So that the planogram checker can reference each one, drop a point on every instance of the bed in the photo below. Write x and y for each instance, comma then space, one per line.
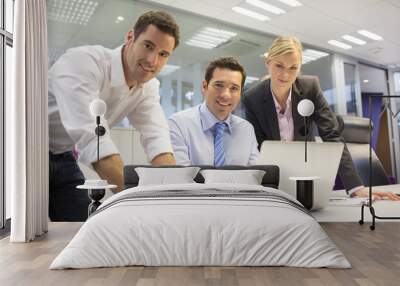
201, 224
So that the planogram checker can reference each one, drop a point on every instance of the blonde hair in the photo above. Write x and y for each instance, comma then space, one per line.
285, 45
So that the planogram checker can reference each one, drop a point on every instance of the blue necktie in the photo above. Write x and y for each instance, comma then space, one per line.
219, 153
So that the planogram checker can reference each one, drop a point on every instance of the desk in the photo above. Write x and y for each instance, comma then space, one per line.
352, 213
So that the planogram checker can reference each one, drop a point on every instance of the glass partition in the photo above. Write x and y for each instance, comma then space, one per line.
396, 76
9, 15
322, 69
350, 88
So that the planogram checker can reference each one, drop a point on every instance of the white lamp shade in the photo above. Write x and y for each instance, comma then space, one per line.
98, 107
305, 107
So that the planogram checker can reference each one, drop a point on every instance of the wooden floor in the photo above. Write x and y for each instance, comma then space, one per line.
374, 255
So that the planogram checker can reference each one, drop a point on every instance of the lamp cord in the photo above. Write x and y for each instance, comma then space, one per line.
305, 141
98, 137
98, 146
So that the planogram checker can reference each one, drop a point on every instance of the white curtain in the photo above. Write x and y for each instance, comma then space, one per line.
27, 124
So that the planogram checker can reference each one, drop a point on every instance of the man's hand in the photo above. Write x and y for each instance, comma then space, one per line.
163, 159
377, 195
111, 168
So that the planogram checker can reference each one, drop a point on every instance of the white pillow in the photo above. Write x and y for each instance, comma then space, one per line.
248, 177
165, 176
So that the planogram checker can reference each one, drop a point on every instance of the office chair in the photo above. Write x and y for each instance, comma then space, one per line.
356, 135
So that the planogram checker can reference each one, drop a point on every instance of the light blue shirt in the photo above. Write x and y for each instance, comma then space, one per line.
192, 138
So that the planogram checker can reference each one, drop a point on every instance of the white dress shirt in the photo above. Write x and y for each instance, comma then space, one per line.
85, 73
193, 139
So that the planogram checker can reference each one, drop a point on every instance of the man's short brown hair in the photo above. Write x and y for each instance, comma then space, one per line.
162, 20
229, 63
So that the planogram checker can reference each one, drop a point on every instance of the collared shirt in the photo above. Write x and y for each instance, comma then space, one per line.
85, 73
285, 119
192, 138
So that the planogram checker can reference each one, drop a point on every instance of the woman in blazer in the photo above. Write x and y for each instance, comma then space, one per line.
271, 106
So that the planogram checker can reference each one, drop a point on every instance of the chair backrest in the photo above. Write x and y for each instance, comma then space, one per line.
356, 135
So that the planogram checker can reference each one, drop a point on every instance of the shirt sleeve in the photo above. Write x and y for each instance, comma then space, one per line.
76, 80
351, 192
254, 148
149, 119
181, 149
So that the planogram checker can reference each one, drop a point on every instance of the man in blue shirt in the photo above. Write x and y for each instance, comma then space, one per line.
209, 134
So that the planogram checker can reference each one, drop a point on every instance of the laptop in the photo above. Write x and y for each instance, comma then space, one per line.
322, 161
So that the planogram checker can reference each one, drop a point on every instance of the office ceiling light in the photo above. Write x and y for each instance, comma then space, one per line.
168, 69
119, 19
291, 3
315, 53
248, 13
218, 32
199, 44
189, 95
366, 81
310, 55
73, 12
267, 7
354, 40
209, 38
339, 44
306, 59
370, 35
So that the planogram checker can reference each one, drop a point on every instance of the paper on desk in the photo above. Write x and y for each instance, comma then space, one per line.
340, 201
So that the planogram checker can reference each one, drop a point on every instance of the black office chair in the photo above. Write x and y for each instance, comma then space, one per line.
356, 135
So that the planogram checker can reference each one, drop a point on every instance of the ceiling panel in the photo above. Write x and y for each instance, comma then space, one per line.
394, 2
314, 23
306, 21
222, 4
382, 18
343, 10
383, 54
318, 21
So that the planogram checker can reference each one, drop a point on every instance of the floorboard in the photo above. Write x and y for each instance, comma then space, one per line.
374, 255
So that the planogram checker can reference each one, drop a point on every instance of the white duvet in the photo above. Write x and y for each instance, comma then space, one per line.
207, 230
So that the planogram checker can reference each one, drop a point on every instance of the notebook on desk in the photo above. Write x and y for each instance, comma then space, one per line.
322, 161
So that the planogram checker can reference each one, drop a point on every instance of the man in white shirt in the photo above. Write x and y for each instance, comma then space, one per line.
209, 134
125, 79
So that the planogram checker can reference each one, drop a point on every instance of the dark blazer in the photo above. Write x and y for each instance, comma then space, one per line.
261, 113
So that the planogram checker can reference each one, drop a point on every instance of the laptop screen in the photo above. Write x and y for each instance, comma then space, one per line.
322, 161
